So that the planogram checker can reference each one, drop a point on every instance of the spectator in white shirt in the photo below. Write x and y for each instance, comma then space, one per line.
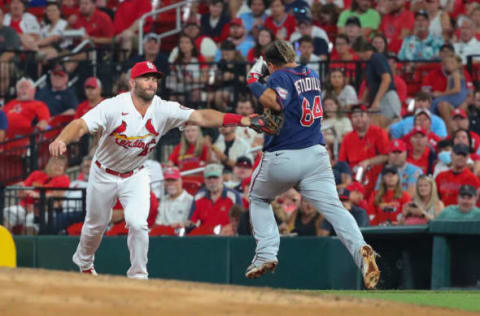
175, 206
245, 107
24, 23
467, 44
307, 57
229, 147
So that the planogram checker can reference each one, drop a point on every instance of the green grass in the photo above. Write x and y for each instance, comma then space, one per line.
465, 300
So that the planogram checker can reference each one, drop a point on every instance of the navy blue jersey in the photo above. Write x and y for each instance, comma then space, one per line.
299, 93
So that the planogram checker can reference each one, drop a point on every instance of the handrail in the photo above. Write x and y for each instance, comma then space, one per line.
177, 29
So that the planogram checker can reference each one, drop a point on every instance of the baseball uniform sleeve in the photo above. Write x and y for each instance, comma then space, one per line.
280, 85
178, 114
98, 117
3, 121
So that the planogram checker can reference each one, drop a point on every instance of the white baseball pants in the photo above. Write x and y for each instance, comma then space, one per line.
102, 193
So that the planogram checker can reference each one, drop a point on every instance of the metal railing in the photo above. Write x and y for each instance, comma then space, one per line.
36, 210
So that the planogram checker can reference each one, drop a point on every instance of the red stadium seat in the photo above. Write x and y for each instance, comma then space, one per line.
162, 230
191, 185
202, 230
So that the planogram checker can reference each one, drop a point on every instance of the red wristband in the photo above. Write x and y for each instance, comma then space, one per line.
230, 119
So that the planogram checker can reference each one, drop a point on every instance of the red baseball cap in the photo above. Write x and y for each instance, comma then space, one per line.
59, 70
419, 129
171, 173
459, 112
236, 21
397, 145
356, 186
93, 82
359, 107
144, 68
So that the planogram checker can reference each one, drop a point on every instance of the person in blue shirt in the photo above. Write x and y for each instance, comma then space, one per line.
296, 157
3, 126
253, 20
404, 126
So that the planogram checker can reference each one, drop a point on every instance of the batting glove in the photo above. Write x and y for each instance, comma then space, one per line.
258, 70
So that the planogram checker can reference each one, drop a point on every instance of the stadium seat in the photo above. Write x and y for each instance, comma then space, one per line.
191, 185
202, 230
162, 230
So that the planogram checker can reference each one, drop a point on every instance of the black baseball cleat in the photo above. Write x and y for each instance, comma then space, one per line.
254, 272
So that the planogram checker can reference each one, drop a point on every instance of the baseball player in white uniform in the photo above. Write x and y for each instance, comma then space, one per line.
132, 124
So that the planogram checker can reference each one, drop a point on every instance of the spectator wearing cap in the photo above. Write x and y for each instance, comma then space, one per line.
423, 118
420, 153
93, 93
228, 147
242, 170
97, 24
24, 23
360, 214
60, 99
175, 206
253, 21
3, 125
353, 30
239, 36
422, 44
400, 84
204, 44
151, 53
403, 127
467, 44
50, 42
386, 204
357, 195
449, 182
280, 22
465, 209
426, 204
24, 113
460, 121
408, 172
366, 146
213, 22
305, 27
212, 203
362, 9
307, 56
396, 24
229, 77
126, 22
381, 94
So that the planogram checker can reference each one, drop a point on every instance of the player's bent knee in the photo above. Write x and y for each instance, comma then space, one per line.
137, 226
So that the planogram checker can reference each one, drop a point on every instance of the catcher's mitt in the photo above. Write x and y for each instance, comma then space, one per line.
269, 122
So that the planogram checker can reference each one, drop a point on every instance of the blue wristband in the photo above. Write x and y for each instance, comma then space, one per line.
257, 89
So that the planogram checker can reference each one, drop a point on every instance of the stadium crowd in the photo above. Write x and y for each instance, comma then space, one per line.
401, 101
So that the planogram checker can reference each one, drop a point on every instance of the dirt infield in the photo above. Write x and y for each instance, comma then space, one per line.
41, 292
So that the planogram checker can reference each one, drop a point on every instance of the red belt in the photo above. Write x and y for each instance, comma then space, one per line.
116, 173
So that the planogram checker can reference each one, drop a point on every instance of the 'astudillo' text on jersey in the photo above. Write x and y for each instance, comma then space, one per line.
299, 93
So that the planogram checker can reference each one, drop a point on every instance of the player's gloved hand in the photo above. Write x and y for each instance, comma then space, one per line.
258, 70
268, 123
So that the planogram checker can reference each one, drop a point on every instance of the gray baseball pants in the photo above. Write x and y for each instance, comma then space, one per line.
309, 171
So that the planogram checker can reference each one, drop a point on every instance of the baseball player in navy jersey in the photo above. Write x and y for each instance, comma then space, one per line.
132, 125
296, 157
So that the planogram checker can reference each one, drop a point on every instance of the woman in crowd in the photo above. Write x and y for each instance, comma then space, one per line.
192, 151
379, 41
425, 206
386, 204
265, 37
189, 72
337, 86
305, 221
334, 118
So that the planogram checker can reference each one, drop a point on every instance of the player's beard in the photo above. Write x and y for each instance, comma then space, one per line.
143, 94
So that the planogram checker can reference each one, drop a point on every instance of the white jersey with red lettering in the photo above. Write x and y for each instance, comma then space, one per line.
127, 136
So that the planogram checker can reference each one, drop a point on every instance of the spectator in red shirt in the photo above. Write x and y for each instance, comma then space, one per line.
212, 203
357, 195
343, 57
396, 24
420, 154
386, 204
126, 22
449, 182
52, 176
460, 121
366, 146
192, 151
24, 113
97, 24
282, 24
93, 92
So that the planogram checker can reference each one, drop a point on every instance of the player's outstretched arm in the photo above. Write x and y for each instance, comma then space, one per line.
212, 118
73, 131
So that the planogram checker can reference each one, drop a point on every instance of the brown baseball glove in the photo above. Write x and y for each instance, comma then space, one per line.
269, 122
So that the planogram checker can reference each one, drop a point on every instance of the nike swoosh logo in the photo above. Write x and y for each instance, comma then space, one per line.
278, 154
123, 113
